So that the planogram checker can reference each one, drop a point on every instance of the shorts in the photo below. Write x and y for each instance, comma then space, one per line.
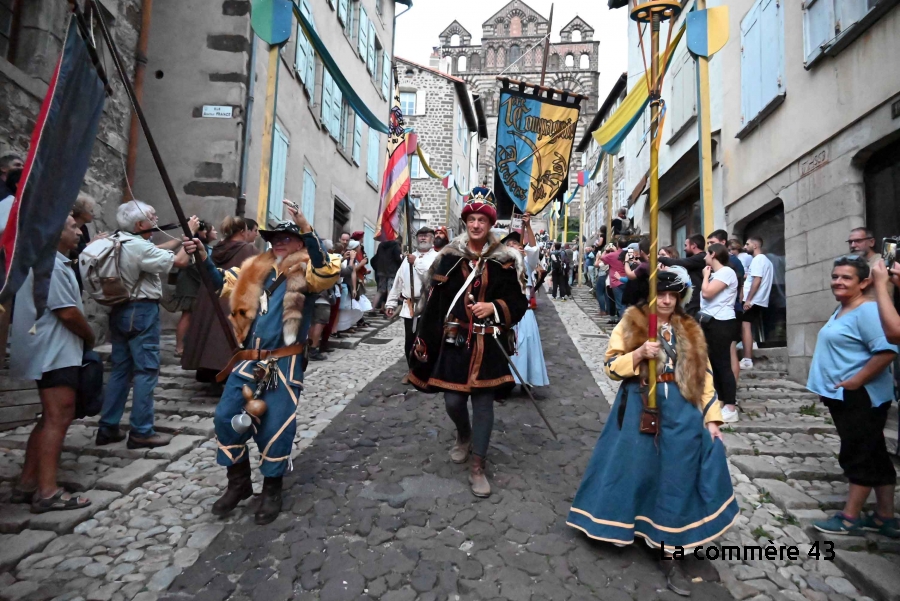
863, 456
321, 314
385, 283
64, 376
753, 315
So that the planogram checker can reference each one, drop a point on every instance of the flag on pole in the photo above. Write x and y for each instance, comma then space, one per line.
58, 158
396, 182
447, 182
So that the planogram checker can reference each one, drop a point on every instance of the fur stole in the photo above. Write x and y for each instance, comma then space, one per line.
458, 248
690, 349
247, 293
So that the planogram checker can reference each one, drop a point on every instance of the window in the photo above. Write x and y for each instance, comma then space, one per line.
762, 61
369, 240
454, 39
554, 62
459, 180
379, 8
461, 64
363, 39
515, 53
414, 166
278, 173
416, 201
343, 6
348, 127
460, 128
826, 23
308, 206
576, 35
305, 59
584, 62
357, 139
386, 75
9, 10
332, 99
372, 163
570, 60
475, 62
515, 26
408, 103
683, 105
465, 143
372, 51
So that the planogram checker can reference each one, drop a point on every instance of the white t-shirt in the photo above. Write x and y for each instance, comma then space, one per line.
745, 259
760, 267
721, 306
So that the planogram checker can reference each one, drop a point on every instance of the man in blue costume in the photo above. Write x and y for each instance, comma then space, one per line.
271, 297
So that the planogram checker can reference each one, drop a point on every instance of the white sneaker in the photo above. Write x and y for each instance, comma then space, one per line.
729, 416
746, 363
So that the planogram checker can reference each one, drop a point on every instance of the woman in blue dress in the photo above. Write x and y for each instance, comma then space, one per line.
672, 489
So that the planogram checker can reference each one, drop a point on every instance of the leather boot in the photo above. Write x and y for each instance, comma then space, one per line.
479, 482
676, 581
270, 502
239, 488
459, 452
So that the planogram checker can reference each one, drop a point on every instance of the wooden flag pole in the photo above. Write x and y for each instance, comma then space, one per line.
547, 47
704, 126
610, 173
581, 240
268, 137
654, 200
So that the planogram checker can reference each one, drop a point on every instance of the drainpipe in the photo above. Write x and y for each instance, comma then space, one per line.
248, 114
140, 67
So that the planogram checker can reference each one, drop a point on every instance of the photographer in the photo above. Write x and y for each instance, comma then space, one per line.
637, 274
883, 281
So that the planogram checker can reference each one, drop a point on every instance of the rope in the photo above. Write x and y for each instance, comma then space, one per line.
524, 54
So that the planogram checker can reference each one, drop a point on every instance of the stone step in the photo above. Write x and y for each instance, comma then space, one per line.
769, 383
766, 466
17, 518
15, 547
811, 426
875, 575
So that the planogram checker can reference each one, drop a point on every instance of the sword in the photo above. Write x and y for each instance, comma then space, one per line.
525, 385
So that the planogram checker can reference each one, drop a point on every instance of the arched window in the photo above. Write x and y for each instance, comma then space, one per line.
461, 64
515, 53
584, 62
454, 39
570, 60
515, 26
501, 57
576, 35
475, 62
554, 62
530, 28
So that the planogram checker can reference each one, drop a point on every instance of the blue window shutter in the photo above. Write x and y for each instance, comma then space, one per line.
357, 140
386, 76
372, 166
818, 27
363, 45
300, 57
327, 104
308, 206
750, 65
342, 11
278, 173
369, 239
337, 98
771, 51
371, 56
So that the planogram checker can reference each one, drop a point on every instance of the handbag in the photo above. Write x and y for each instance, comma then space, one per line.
89, 394
650, 417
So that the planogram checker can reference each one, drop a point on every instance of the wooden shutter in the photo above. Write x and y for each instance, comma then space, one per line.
369, 239
750, 65
421, 96
301, 57
386, 76
327, 102
371, 57
363, 45
849, 12
309, 78
818, 27
357, 140
342, 11
372, 165
771, 51
309, 196
337, 98
278, 173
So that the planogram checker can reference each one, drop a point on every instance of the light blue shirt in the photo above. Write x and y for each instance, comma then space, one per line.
844, 346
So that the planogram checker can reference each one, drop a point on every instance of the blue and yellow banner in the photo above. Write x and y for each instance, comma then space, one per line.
707, 30
534, 144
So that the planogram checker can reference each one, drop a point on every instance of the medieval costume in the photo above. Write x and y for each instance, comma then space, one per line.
407, 298
271, 306
672, 489
205, 346
457, 352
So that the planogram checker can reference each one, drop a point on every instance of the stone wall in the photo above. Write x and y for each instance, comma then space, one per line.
24, 84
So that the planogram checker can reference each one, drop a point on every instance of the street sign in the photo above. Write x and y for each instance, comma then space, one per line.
217, 112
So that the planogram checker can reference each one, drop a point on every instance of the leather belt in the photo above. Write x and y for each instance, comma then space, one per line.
259, 355
666, 377
483, 330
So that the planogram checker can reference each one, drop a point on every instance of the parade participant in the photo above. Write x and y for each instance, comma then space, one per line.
475, 293
362, 260
387, 259
672, 488
351, 309
529, 357
401, 294
205, 344
441, 237
187, 288
269, 315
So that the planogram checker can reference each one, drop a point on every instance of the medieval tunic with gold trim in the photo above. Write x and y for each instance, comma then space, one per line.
672, 489
472, 360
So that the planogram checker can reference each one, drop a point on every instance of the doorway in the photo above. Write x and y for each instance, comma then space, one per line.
882, 184
770, 227
341, 218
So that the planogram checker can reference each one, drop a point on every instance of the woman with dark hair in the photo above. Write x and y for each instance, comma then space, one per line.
187, 287
205, 345
850, 374
720, 325
671, 488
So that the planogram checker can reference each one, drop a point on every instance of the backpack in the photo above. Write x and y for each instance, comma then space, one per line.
101, 273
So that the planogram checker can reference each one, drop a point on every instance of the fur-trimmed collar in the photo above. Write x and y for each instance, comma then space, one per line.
494, 251
690, 348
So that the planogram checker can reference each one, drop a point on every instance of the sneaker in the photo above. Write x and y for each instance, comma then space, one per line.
105, 437
746, 363
886, 527
840, 524
729, 416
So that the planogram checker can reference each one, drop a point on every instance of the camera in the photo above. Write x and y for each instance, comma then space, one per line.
889, 251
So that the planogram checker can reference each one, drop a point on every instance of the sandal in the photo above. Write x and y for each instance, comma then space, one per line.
20, 495
58, 503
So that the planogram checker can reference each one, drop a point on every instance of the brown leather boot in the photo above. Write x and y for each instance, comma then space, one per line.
239, 488
270, 502
136, 441
459, 452
479, 482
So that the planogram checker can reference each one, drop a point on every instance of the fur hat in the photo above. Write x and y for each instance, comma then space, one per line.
481, 201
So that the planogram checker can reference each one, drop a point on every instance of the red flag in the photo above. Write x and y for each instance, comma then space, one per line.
396, 182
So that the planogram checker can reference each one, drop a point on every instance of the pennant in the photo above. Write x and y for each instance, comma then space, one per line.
582, 178
534, 144
396, 182
707, 30
58, 158
447, 181
272, 20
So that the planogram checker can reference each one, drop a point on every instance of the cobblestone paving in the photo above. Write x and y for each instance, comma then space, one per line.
783, 461
150, 518
375, 509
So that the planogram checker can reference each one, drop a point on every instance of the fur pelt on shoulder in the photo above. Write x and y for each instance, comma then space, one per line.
690, 348
458, 248
245, 298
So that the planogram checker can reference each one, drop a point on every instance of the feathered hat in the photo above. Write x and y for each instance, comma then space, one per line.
481, 200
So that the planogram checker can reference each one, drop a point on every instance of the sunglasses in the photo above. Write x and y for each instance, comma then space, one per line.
282, 239
852, 240
850, 259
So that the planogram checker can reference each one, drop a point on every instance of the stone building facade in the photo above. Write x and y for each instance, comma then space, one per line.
440, 109
512, 44
37, 29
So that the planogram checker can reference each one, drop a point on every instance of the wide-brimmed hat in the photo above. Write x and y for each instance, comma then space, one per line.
425, 230
481, 201
675, 279
513, 235
283, 227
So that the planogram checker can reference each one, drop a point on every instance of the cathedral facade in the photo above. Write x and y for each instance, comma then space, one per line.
512, 45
